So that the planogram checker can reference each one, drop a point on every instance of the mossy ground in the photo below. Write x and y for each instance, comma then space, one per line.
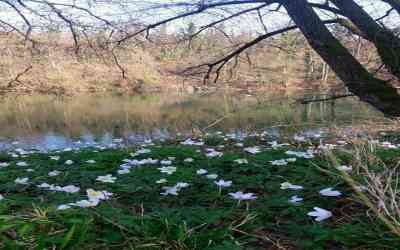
138, 217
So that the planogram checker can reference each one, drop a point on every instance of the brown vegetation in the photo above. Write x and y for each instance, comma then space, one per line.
53, 66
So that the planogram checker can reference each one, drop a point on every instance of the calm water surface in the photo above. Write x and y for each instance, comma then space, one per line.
48, 122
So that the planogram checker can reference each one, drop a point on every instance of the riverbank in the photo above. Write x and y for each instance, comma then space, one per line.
184, 194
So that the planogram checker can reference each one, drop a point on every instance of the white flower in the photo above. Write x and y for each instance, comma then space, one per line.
106, 178
54, 173
55, 157
44, 185
1, 197
288, 185
165, 162
70, 189
252, 150
239, 144
22, 164
201, 171
295, 199
167, 170
241, 161
181, 185
98, 195
212, 176
30, 170
213, 153
161, 181
69, 162
329, 192
291, 159
91, 161
124, 171
243, 196
345, 168
63, 207
299, 138
320, 214
4, 164
143, 151
22, 181
170, 190
86, 203
279, 162
222, 183
188, 160
191, 142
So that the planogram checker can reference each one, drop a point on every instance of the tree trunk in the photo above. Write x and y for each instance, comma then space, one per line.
385, 41
358, 80
395, 4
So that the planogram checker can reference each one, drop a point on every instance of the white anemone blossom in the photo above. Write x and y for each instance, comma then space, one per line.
221, 183
201, 171
69, 162
54, 173
22, 164
330, 192
281, 162
212, 176
320, 214
288, 185
22, 180
243, 196
188, 160
55, 157
252, 150
175, 189
241, 161
161, 181
167, 170
345, 168
4, 164
295, 199
106, 178
98, 195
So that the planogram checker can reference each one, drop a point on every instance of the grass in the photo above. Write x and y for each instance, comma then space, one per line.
138, 217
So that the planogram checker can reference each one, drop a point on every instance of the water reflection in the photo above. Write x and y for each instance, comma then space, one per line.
52, 123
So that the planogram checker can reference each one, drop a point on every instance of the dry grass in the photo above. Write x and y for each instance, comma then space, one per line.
375, 182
